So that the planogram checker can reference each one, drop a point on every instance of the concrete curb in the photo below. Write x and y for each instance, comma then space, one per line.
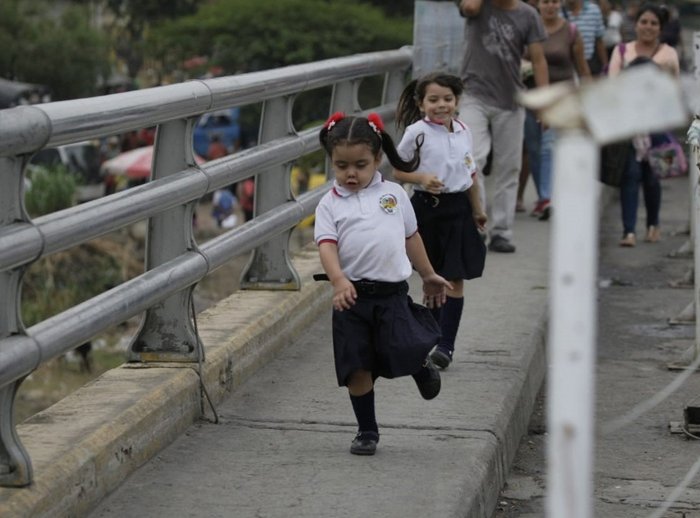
84, 446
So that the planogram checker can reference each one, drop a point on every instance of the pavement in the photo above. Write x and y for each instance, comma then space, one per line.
638, 466
281, 447
131, 442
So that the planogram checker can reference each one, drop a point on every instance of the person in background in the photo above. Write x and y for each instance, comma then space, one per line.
216, 148
446, 197
612, 16
368, 243
497, 33
629, 17
563, 50
223, 205
589, 21
647, 47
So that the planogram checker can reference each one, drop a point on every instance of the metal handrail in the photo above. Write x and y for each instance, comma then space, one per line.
174, 262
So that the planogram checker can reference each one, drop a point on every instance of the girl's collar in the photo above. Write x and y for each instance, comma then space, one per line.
457, 125
342, 192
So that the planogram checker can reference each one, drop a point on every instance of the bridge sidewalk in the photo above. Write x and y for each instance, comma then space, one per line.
281, 447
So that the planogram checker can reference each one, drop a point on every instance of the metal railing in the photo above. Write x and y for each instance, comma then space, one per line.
174, 261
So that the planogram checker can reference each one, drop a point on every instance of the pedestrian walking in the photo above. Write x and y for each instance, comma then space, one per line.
649, 23
446, 196
563, 50
589, 20
368, 239
497, 32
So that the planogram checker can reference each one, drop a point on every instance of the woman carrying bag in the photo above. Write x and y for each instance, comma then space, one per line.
646, 48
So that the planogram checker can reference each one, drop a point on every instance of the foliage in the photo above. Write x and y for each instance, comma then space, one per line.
51, 190
132, 21
61, 51
250, 35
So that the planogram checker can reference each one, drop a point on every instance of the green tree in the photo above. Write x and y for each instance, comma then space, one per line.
249, 35
61, 51
132, 21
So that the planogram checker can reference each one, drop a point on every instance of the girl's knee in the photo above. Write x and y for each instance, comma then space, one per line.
360, 382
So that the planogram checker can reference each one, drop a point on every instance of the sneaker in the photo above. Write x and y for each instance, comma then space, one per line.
628, 241
441, 357
537, 211
502, 245
364, 443
546, 211
428, 380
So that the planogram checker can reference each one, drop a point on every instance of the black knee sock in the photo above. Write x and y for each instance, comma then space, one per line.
449, 321
364, 412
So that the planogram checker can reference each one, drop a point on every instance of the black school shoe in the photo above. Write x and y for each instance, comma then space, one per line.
364, 443
428, 380
441, 357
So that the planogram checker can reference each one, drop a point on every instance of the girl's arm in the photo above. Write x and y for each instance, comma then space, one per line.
429, 182
478, 213
344, 293
434, 286
579, 57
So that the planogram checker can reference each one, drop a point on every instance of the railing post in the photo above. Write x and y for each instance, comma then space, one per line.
270, 267
15, 464
167, 333
572, 327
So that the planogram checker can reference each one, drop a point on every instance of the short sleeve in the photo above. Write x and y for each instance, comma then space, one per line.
407, 145
409, 216
324, 226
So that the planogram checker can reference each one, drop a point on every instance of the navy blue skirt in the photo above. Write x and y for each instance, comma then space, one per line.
453, 243
389, 336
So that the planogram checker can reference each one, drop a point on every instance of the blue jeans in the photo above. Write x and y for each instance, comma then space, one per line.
546, 151
533, 144
636, 173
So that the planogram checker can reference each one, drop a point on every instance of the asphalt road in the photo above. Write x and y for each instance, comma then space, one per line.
637, 467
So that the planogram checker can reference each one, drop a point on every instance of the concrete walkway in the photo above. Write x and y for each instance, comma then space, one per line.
281, 446
130, 443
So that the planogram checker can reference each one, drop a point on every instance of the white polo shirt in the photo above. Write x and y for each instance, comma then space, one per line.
449, 156
370, 228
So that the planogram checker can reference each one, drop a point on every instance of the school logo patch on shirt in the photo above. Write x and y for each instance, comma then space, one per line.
469, 162
388, 203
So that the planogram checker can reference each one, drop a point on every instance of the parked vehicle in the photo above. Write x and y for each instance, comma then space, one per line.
82, 159
222, 123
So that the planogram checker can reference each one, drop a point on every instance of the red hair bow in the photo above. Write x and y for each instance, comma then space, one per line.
376, 122
336, 117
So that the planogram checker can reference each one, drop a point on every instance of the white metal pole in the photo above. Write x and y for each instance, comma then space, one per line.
694, 175
572, 327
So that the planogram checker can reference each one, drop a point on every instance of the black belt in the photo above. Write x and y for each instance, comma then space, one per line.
379, 288
434, 199
372, 288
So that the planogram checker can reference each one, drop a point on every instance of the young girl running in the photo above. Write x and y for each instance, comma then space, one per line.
367, 237
446, 195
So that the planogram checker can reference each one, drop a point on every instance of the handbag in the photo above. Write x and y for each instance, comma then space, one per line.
613, 161
666, 158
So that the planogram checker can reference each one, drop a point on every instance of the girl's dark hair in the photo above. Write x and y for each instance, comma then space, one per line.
357, 130
660, 11
407, 111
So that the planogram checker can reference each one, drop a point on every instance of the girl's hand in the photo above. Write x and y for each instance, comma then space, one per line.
431, 183
344, 294
435, 290
480, 219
